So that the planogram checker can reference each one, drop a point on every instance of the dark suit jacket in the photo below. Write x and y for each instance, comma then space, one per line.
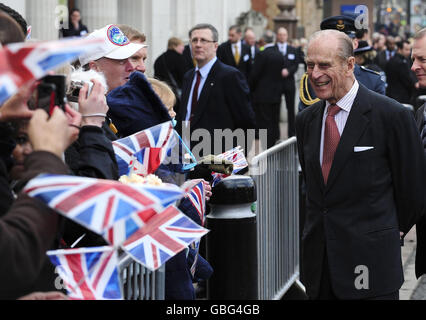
400, 79
420, 265
224, 102
370, 195
291, 62
224, 54
171, 63
265, 78
189, 63
381, 59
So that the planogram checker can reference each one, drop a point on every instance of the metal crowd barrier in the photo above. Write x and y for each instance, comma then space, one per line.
277, 209
140, 283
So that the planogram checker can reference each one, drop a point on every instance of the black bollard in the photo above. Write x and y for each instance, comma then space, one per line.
232, 240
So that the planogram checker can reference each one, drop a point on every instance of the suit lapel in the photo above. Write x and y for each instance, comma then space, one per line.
314, 141
230, 54
355, 126
205, 93
185, 93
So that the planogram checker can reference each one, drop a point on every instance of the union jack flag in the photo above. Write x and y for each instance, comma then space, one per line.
124, 228
88, 273
196, 193
98, 204
236, 155
165, 235
25, 61
143, 152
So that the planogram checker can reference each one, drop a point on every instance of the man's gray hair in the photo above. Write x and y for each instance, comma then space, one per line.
346, 47
420, 34
269, 36
205, 26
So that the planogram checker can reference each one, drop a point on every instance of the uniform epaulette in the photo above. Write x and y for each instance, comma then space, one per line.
369, 70
304, 94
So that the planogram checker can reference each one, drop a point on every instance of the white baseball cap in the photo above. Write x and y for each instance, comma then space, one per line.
116, 45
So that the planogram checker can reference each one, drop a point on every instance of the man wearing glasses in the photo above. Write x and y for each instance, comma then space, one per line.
214, 96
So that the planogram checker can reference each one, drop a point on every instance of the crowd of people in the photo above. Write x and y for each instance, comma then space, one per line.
361, 153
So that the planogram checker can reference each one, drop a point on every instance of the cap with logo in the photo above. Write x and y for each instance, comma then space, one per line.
344, 23
116, 45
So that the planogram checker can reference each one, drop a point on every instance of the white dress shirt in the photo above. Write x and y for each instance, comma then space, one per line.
341, 117
204, 71
282, 47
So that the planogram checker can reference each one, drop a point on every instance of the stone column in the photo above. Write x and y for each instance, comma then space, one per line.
287, 18
41, 16
97, 13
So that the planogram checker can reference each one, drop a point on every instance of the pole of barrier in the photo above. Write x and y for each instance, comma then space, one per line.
232, 240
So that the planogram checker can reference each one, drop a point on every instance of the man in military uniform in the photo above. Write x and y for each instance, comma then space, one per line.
369, 78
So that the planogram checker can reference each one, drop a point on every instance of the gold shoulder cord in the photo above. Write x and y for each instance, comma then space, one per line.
113, 128
304, 84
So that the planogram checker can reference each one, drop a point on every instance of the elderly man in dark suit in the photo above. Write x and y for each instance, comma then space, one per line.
365, 174
215, 96
235, 52
419, 67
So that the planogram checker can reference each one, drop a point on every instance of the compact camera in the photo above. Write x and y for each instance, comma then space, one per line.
74, 90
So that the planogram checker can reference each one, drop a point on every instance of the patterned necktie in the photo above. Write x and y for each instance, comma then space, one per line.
236, 55
331, 140
195, 94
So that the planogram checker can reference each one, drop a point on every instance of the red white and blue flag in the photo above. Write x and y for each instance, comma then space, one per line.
236, 156
196, 193
143, 152
165, 235
98, 204
89, 273
124, 228
25, 61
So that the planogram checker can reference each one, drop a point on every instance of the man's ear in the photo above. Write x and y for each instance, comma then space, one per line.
351, 64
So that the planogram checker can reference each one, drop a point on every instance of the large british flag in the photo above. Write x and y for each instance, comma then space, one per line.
143, 152
89, 273
165, 235
26, 61
98, 204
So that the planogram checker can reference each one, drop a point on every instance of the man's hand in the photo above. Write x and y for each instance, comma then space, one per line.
74, 123
93, 106
284, 73
49, 134
51, 295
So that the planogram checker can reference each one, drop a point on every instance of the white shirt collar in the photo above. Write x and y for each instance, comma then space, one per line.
347, 101
204, 70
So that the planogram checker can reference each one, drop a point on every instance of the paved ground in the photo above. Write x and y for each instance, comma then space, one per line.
412, 289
